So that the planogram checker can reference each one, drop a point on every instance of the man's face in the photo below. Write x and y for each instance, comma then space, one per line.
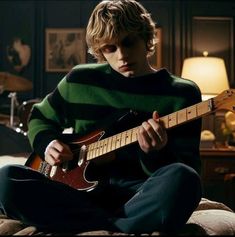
127, 55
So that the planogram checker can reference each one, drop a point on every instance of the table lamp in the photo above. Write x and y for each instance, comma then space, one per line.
209, 73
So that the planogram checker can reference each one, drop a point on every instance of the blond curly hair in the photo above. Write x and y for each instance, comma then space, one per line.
110, 17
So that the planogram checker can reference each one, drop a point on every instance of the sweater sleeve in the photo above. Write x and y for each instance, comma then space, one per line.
46, 121
183, 141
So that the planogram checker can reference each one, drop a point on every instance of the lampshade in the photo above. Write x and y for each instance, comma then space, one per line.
209, 73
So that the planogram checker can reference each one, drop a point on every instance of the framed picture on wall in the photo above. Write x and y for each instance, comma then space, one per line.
65, 48
156, 58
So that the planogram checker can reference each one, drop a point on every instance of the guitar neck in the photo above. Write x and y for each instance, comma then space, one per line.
127, 137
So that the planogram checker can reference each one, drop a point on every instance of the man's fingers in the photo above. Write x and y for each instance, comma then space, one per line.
155, 115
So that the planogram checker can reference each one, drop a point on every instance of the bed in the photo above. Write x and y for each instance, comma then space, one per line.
210, 217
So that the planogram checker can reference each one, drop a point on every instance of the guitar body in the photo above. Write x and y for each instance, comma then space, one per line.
72, 173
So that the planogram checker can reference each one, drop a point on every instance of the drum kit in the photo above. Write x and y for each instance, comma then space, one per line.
14, 84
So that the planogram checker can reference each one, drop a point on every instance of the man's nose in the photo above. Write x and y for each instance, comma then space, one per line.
122, 53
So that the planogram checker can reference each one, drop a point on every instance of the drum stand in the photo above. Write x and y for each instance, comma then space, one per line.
14, 102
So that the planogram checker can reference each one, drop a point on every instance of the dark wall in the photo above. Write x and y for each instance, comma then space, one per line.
185, 32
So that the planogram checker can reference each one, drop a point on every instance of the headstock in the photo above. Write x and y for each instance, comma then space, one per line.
225, 101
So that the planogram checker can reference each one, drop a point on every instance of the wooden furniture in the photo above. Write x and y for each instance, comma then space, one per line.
218, 174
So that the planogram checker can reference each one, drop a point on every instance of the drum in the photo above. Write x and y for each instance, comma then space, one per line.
24, 111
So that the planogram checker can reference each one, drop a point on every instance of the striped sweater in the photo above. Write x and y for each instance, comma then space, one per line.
94, 96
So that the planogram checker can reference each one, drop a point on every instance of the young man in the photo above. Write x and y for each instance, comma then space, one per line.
149, 185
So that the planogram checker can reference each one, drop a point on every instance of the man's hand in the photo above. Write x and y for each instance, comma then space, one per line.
57, 153
152, 134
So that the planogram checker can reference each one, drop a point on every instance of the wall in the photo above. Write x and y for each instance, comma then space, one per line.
183, 33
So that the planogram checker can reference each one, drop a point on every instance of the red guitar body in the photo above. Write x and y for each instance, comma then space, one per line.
73, 172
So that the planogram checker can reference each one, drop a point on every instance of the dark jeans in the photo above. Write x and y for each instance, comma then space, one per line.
163, 202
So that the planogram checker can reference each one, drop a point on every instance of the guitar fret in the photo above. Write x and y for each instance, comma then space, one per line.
92, 150
109, 144
182, 117
101, 147
134, 135
113, 144
191, 112
105, 145
98, 148
96, 151
128, 137
165, 120
204, 107
123, 138
118, 141
89, 152
172, 119
130, 134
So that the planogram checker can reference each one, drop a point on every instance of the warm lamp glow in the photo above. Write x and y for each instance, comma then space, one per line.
209, 73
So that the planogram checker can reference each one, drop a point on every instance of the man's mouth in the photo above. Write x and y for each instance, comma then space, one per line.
126, 67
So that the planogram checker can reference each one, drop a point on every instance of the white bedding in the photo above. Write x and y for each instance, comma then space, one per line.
7, 159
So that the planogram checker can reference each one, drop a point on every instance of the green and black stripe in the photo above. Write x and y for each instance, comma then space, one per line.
87, 98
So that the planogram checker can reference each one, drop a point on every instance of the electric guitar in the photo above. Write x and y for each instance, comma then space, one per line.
87, 148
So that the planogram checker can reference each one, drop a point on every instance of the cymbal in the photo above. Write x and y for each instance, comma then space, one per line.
11, 82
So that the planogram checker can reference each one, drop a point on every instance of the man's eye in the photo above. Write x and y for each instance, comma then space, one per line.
128, 43
108, 48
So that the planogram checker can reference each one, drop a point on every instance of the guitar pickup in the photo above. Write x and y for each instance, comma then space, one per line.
53, 171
